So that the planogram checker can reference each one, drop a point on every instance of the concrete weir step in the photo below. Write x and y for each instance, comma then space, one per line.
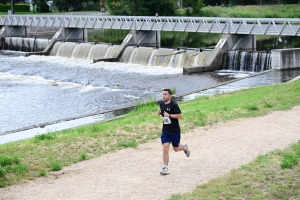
145, 38
227, 42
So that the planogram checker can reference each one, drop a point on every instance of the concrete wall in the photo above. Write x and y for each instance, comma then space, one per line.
285, 58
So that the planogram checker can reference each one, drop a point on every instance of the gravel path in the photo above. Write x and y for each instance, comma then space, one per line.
134, 173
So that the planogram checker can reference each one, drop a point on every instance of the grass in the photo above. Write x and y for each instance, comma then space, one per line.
264, 178
51, 152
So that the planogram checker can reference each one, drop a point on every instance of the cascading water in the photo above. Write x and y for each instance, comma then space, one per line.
148, 56
247, 61
24, 44
152, 57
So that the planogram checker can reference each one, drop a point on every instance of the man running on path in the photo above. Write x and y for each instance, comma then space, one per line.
170, 112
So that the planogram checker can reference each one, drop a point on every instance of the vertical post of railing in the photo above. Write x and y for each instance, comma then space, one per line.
12, 7
253, 42
228, 26
156, 15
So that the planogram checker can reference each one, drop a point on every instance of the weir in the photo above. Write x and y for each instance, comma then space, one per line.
233, 51
247, 61
227, 42
149, 56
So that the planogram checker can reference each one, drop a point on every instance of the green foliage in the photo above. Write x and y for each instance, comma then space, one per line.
6, 161
2, 172
193, 7
173, 89
47, 136
150, 102
252, 11
56, 166
44, 7
251, 107
82, 157
12, 167
20, 169
291, 159
18, 7
65, 5
42, 173
141, 7
126, 144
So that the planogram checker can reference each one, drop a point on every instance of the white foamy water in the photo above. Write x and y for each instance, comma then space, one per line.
41, 89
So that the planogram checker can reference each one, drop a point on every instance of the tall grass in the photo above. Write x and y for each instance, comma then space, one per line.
53, 151
253, 11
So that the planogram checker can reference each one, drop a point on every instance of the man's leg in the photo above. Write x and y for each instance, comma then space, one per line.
179, 148
166, 147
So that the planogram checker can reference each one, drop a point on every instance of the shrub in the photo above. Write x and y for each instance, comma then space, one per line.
42, 173
2, 172
20, 169
82, 157
251, 108
44, 137
289, 160
5, 161
18, 7
44, 7
56, 166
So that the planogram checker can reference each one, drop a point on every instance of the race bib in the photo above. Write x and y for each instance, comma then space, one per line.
166, 120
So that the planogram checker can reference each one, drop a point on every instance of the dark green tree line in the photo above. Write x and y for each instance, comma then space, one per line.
141, 7
65, 5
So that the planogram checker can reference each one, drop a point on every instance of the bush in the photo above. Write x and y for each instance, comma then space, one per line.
2, 172
5, 161
42, 173
44, 7
56, 166
82, 157
289, 160
18, 7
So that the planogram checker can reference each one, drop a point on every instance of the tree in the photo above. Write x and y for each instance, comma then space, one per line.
9, 1
193, 7
41, 6
141, 7
65, 5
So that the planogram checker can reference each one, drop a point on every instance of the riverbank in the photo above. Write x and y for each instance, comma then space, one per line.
133, 173
49, 152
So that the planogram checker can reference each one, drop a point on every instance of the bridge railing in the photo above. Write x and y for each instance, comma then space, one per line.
261, 26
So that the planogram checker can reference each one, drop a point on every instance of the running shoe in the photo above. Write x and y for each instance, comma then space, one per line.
186, 150
164, 171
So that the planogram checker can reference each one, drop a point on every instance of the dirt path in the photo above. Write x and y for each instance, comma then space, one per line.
134, 173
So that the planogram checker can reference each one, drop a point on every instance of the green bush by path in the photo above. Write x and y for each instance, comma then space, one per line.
53, 151
11, 167
18, 8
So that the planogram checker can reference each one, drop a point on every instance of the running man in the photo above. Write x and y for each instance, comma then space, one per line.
170, 112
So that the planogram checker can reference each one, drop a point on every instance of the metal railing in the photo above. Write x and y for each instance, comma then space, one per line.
257, 26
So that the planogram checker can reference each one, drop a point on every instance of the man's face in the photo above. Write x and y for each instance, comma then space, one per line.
166, 96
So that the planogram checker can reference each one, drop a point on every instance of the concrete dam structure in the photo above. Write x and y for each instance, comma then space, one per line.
142, 44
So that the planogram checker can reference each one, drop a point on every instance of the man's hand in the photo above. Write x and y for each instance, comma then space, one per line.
158, 112
166, 114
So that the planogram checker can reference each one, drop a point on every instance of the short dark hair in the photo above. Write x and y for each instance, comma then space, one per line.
169, 91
